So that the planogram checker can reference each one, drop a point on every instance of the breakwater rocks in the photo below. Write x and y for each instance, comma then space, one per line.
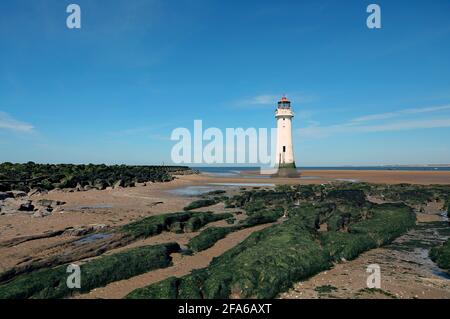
44, 177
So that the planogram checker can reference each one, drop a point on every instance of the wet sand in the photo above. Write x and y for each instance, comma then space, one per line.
325, 176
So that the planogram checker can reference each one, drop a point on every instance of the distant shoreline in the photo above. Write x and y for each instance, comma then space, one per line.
224, 169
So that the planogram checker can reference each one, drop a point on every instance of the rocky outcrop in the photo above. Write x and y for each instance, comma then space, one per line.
17, 202
119, 184
85, 229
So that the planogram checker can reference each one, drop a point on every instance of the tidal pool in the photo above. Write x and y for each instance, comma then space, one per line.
91, 238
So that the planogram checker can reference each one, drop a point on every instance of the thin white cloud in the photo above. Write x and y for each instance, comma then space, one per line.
383, 116
383, 123
263, 99
272, 99
9, 123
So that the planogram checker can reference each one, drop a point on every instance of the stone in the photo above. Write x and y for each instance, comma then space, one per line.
18, 194
26, 206
100, 185
58, 210
119, 184
37, 191
41, 213
45, 202
4, 195
85, 229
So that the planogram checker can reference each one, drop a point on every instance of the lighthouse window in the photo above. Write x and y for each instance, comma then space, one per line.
284, 149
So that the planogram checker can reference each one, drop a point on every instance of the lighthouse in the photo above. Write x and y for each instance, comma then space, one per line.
285, 162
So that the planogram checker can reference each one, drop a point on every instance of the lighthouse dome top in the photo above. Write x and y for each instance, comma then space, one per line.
284, 103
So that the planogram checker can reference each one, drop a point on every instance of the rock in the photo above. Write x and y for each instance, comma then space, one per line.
100, 185
18, 194
176, 227
79, 188
84, 230
41, 213
9, 206
45, 202
109, 188
34, 191
119, 184
58, 210
4, 195
37, 191
26, 206
87, 188
130, 184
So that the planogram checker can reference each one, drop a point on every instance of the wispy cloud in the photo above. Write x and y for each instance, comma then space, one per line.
9, 123
382, 116
271, 99
391, 121
263, 99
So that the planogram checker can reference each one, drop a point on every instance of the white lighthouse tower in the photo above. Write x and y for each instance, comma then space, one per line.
285, 162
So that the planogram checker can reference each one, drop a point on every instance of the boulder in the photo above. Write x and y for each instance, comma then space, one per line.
26, 206
119, 184
18, 194
4, 195
46, 202
100, 185
42, 212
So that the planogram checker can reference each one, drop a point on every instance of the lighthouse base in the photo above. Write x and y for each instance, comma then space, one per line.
287, 170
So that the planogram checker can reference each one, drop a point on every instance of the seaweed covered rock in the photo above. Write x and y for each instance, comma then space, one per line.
201, 203
166, 289
28, 176
209, 237
262, 265
388, 221
176, 222
263, 217
441, 256
271, 260
51, 283
348, 196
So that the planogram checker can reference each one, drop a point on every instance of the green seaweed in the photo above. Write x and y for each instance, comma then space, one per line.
51, 283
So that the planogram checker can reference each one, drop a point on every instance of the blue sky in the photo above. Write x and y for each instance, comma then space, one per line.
113, 91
